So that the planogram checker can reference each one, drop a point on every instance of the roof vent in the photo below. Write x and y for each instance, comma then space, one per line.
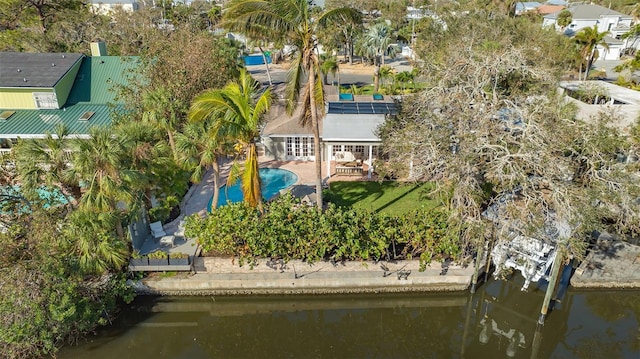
86, 116
6, 114
24, 79
64, 56
19, 70
53, 65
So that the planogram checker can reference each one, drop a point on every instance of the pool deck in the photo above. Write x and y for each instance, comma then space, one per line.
196, 200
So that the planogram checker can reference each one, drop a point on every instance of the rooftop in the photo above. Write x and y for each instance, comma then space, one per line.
97, 78
22, 69
588, 12
90, 103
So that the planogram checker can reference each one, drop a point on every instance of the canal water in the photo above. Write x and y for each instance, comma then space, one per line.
499, 321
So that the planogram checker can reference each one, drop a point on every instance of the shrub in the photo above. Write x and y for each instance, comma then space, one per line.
157, 255
288, 230
178, 255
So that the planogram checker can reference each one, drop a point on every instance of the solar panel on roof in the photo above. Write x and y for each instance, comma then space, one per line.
364, 108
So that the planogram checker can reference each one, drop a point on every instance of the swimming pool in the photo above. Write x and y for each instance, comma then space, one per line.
50, 196
273, 181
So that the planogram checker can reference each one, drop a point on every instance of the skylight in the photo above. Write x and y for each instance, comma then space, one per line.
86, 116
6, 114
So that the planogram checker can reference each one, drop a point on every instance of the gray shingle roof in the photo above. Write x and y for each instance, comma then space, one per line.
38, 69
588, 12
352, 127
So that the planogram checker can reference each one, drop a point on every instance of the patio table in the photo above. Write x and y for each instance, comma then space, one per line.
168, 240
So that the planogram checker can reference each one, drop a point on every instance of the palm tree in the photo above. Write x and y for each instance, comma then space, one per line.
236, 112
634, 34
564, 19
329, 65
386, 72
47, 161
160, 110
377, 43
200, 148
403, 78
589, 39
90, 235
98, 164
298, 24
148, 154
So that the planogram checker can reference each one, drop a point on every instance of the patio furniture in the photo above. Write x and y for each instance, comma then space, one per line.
156, 230
349, 169
168, 240
180, 231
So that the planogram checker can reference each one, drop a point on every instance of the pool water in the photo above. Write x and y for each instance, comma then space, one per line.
273, 181
50, 196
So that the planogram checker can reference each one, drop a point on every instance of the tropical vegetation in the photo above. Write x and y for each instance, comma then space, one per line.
297, 23
486, 123
288, 230
236, 112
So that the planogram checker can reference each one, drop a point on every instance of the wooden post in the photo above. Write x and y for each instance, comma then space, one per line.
474, 280
466, 326
537, 340
555, 269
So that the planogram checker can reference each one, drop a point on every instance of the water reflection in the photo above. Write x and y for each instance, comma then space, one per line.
499, 321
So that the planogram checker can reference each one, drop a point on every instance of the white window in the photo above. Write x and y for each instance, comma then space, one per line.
300, 147
45, 100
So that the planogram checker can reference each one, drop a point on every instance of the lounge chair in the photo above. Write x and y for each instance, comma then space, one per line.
156, 230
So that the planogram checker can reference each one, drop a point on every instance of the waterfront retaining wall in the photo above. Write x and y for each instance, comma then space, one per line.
224, 276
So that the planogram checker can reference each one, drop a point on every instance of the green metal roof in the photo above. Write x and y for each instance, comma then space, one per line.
92, 91
98, 77
36, 123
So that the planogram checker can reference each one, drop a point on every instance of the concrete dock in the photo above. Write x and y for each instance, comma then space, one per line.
224, 276
612, 263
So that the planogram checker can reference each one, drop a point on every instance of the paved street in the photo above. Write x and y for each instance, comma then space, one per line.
359, 77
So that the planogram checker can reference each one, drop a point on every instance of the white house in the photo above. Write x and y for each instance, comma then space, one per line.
587, 15
106, 6
348, 133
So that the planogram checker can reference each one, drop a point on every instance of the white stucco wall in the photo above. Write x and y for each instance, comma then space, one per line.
105, 9
604, 23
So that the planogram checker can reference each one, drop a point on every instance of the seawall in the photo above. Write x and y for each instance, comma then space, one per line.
224, 276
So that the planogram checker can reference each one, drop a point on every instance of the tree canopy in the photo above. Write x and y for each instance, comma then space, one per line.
490, 124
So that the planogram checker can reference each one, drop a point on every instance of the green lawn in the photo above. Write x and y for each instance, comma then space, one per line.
386, 197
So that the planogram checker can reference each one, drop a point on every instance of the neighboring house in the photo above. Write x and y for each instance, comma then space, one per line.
548, 8
522, 6
104, 7
614, 50
624, 101
348, 131
38, 91
587, 15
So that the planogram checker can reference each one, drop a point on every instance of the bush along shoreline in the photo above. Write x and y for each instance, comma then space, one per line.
289, 230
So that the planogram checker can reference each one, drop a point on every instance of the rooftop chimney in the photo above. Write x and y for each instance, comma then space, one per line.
98, 48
